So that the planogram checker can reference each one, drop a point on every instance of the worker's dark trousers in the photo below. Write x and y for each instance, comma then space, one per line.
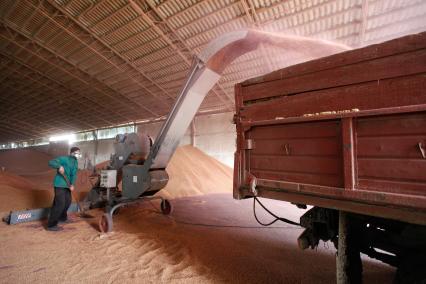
61, 203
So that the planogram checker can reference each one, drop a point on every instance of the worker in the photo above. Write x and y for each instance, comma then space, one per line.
63, 184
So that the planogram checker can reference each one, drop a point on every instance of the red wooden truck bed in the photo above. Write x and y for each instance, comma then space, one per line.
346, 132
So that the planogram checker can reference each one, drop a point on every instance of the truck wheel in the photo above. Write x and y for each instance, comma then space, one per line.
166, 207
105, 223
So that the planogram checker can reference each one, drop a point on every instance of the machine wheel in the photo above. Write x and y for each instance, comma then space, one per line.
108, 209
116, 211
105, 223
166, 207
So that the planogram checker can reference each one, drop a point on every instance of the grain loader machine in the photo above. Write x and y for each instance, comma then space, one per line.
141, 164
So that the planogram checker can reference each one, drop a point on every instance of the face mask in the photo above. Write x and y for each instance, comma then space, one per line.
76, 154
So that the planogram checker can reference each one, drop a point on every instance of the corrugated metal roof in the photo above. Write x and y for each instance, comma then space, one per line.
71, 65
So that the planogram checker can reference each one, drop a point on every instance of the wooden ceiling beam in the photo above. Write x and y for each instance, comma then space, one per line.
59, 8
88, 80
142, 46
105, 19
208, 15
29, 18
364, 19
190, 8
148, 66
123, 27
25, 133
89, 9
51, 111
253, 21
175, 47
13, 135
10, 8
34, 114
108, 60
139, 34
42, 25
126, 60
59, 89
82, 112
6, 74
396, 24
86, 114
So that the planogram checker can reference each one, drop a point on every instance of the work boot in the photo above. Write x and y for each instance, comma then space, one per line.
54, 229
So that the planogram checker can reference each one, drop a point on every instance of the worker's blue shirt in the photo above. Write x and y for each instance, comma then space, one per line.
70, 165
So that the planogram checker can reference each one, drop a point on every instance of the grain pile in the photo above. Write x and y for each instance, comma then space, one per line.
194, 245
24, 161
27, 179
193, 172
23, 179
209, 238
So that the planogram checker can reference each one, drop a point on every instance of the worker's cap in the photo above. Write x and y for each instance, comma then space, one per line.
74, 149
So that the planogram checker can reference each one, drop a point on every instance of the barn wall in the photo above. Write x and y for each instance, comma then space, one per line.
214, 135
87, 148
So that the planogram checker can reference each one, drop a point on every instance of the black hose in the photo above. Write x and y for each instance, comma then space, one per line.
272, 214
226, 226
215, 225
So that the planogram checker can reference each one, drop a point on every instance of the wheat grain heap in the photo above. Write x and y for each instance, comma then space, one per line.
209, 237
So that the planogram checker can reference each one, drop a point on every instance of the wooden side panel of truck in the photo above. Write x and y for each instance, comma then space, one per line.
345, 132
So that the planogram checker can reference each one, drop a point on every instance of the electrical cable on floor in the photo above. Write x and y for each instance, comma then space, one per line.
221, 226
255, 199
228, 226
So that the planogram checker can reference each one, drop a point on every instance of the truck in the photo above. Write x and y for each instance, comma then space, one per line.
345, 134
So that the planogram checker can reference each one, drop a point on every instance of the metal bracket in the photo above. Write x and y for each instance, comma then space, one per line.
253, 184
422, 149
287, 149
249, 144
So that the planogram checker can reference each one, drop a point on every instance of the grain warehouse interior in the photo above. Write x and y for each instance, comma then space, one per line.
212, 141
